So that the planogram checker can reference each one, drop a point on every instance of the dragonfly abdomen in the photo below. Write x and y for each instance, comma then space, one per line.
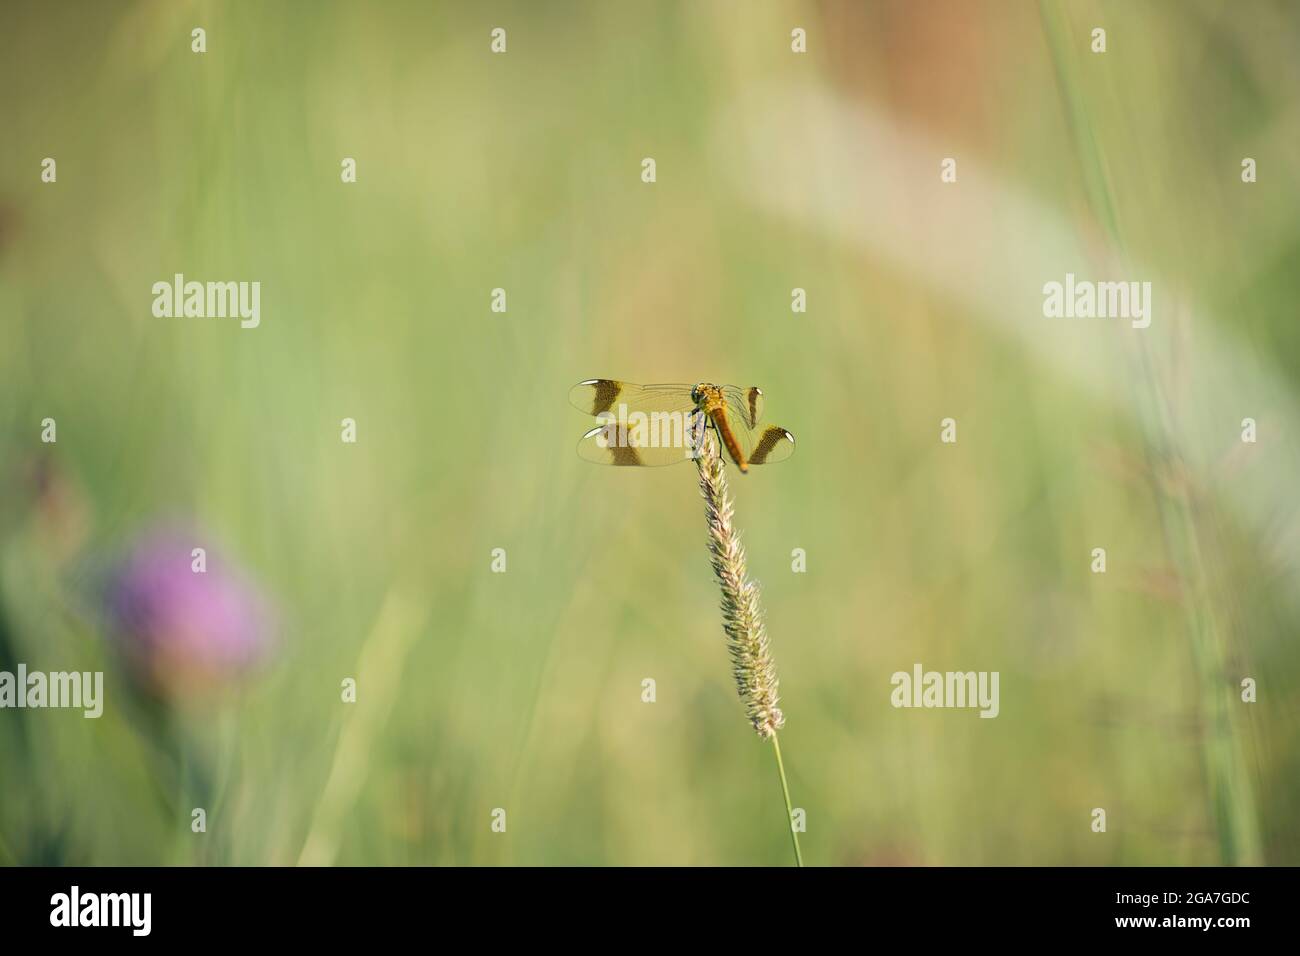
719, 416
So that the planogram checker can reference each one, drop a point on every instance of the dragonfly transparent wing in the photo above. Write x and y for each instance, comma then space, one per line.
640, 425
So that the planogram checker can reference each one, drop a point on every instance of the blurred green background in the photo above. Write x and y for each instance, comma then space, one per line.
775, 170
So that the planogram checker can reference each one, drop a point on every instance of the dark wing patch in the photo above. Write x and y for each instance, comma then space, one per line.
625, 455
595, 395
773, 445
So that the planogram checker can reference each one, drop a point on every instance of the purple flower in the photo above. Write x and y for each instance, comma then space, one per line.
185, 623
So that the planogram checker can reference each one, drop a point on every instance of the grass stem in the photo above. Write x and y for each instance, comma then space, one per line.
789, 809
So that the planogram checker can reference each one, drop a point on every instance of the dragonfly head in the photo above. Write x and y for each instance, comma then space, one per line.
704, 393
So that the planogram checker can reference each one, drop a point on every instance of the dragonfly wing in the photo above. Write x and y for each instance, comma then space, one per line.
761, 444
768, 444
640, 425
612, 444
598, 395
745, 404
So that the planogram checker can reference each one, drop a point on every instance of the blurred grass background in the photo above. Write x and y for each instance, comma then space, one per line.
523, 690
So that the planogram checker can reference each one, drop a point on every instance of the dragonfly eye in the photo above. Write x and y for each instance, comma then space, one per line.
695, 394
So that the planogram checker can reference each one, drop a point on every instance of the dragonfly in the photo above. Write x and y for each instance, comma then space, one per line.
650, 425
